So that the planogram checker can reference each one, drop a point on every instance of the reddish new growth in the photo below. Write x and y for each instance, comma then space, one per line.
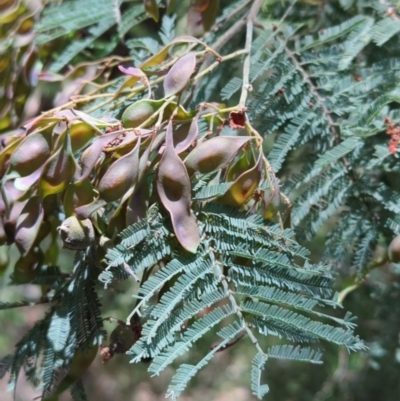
237, 119
394, 133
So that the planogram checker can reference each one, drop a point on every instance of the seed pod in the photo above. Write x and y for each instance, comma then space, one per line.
173, 186
81, 134
244, 186
28, 224
394, 250
4, 257
201, 16
91, 155
31, 154
78, 194
76, 234
59, 169
120, 176
179, 75
185, 135
81, 361
137, 113
28, 266
7, 147
151, 8
242, 164
213, 154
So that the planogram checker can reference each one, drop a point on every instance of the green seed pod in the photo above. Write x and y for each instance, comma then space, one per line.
179, 75
76, 234
78, 194
151, 8
244, 186
59, 169
137, 113
213, 154
122, 338
173, 186
394, 250
28, 266
31, 154
120, 176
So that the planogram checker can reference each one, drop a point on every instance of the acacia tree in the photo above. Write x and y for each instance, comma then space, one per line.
189, 167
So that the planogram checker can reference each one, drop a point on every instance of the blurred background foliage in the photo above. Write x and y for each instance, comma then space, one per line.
33, 79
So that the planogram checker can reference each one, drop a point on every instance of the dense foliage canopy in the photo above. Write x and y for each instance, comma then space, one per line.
196, 151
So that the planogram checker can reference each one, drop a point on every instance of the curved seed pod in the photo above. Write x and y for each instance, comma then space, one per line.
78, 194
179, 75
28, 224
213, 154
242, 164
173, 186
91, 155
59, 169
151, 8
85, 211
81, 361
137, 205
276, 209
6, 150
138, 112
76, 234
394, 250
244, 186
120, 176
28, 266
31, 154
81, 134
185, 135
27, 182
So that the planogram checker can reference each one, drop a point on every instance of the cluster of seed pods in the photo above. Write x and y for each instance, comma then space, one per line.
86, 164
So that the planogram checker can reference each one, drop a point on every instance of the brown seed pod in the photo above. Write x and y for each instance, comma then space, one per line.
173, 186
179, 75
213, 154
28, 266
120, 176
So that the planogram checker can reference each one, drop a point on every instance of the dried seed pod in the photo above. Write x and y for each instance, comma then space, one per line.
78, 194
173, 186
213, 154
185, 135
137, 113
120, 176
394, 250
179, 75
76, 234
91, 155
31, 154
244, 186
59, 169
201, 16
28, 224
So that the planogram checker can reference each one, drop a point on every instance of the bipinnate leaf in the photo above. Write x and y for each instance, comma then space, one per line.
244, 186
179, 75
151, 8
213, 154
173, 186
59, 169
31, 153
185, 135
120, 176
28, 224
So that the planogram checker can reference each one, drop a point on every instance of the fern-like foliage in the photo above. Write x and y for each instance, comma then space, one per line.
317, 96
243, 280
